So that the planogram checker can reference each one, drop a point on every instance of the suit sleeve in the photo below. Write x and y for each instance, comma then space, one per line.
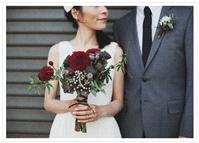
186, 128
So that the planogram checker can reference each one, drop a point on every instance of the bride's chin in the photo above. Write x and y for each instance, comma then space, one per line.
101, 28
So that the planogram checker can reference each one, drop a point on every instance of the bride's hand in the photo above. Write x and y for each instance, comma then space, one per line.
72, 106
85, 113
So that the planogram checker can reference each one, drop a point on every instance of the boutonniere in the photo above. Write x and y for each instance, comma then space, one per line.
166, 24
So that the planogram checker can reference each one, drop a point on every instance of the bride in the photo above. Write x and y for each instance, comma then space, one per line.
89, 21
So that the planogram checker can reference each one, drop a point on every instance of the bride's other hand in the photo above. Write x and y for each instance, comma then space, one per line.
85, 113
72, 106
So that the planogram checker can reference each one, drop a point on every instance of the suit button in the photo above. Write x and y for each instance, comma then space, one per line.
144, 79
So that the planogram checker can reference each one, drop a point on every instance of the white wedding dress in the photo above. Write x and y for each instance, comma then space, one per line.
64, 123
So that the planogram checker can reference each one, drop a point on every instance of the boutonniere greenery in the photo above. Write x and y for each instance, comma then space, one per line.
166, 24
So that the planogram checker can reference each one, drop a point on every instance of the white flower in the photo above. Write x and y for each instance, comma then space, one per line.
166, 24
89, 75
165, 20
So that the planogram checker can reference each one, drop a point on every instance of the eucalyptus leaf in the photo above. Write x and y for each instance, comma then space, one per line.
103, 91
122, 64
93, 92
96, 85
107, 79
170, 26
48, 87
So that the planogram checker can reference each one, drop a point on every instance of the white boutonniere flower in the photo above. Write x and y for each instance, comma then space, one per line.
166, 24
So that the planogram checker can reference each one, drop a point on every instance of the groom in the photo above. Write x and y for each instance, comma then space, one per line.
158, 100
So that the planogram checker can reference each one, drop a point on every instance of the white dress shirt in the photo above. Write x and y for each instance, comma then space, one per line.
156, 10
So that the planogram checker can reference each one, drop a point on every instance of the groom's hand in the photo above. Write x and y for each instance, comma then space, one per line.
85, 113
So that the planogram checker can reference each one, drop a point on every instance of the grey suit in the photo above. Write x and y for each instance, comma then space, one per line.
158, 97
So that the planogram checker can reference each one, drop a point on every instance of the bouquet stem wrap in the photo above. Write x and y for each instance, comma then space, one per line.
81, 99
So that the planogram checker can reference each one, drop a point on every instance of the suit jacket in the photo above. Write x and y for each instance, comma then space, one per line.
158, 98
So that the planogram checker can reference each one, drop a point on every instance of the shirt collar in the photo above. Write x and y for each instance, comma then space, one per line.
154, 9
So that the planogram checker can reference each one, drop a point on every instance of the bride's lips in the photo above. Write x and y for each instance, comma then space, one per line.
103, 19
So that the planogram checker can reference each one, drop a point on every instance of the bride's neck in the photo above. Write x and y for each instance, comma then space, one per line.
85, 38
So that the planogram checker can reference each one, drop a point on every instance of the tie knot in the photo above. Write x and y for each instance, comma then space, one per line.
147, 11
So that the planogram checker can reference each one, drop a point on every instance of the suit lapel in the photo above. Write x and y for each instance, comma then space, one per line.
133, 43
157, 42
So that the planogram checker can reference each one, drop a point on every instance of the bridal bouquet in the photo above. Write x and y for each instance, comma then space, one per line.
81, 72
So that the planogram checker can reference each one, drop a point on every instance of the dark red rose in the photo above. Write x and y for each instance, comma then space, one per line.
50, 63
92, 51
46, 73
79, 60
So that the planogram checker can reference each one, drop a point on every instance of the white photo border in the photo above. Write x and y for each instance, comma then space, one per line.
6, 3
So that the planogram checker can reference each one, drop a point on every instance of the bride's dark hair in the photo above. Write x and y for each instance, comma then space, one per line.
102, 38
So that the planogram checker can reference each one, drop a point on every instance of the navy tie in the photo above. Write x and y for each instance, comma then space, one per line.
147, 36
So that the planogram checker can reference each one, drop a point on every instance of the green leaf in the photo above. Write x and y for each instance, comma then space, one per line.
48, 87
122, 64
107, 79
93, 92
38, 86
170, 26
103, 91
96, 85
109, 76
